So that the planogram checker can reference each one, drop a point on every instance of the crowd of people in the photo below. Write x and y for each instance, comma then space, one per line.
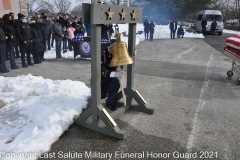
26, 36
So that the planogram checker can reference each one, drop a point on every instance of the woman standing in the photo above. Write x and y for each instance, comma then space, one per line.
146, 29
70, 31
3, 38
10, 32
152, 25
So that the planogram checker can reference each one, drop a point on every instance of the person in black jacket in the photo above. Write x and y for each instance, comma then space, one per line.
151, 29
204, 25
37, 45
46, 29
180, 32
3, 38
16, 45
173, 28
146, 29
11, 34
75, 22
79, 30
58, 35
25, 38
43, 41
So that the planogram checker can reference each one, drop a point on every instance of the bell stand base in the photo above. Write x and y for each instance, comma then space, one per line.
106, 123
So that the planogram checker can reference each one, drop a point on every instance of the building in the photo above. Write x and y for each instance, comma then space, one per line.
15, 6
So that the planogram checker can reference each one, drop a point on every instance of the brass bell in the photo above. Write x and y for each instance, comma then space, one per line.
120, 52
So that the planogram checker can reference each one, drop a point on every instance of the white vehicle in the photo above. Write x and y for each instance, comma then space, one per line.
210, 15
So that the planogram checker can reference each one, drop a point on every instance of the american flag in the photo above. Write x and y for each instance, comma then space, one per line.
78, 37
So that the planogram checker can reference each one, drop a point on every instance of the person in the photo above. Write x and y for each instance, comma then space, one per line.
46, 29
3, 39
61, 19
16, 45
65, 39
110, 83
151, 29
75, 22
37, 45
79, 30
43, 41
173, 28
213, 26
70, 32
51, 25
146, 29
110, 31
25, 38
10, 32
58, 35
204, 25
180, 32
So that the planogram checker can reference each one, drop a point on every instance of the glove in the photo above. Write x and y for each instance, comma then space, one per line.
116, 74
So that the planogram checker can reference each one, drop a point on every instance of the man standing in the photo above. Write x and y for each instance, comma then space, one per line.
58, 35
204, 25
25, 38
213, 26
46, 29
173, 28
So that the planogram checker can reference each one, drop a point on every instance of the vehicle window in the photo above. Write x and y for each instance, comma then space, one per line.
199, 18
212, 17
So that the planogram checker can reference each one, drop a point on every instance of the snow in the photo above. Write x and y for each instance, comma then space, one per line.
38, 110
231, 32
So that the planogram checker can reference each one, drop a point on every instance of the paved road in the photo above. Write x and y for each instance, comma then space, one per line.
184, 80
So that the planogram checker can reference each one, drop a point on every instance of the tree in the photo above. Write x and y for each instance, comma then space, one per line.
77, 10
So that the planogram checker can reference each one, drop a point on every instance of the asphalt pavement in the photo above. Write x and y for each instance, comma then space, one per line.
196, 105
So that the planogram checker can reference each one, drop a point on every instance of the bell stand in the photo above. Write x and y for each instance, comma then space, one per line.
96, 117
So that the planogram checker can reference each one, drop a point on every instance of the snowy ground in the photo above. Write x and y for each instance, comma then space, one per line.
39, 110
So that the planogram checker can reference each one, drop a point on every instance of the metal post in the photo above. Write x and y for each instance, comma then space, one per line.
95, 69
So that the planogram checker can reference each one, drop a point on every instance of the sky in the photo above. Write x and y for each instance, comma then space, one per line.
38, 110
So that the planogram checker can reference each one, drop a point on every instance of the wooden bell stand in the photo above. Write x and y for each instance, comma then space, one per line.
96, 117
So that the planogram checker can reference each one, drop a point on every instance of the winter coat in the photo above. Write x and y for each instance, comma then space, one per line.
70, 33
10, 31
204, 23
2, 36
37, 45
24, 32
58, 31
173, 26
65, 38
46, 27
180, 31
74, 24
146, 27
213, 25
151, 27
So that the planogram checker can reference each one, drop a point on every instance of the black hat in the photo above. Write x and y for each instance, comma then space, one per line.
20, 15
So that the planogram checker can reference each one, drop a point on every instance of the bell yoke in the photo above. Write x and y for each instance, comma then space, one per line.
104, 68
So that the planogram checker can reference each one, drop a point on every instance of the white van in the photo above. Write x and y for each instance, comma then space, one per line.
210, 15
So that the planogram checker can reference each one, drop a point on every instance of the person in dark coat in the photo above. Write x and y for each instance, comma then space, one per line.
213, 26
16, 45
58, 35
151, 29
146, 29
10, 32
79, 30
204, 25
37, 44
110, 83
3, 38
173, 28
180, 32
25, 38
43, 40
46, 29
61, 19
76, 21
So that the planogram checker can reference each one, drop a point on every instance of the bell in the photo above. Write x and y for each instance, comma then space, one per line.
120, 52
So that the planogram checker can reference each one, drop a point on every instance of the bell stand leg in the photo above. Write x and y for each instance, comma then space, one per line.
130, 93
96, 112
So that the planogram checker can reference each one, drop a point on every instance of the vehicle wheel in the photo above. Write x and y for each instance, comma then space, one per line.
220, 33
238, 81
229, 73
